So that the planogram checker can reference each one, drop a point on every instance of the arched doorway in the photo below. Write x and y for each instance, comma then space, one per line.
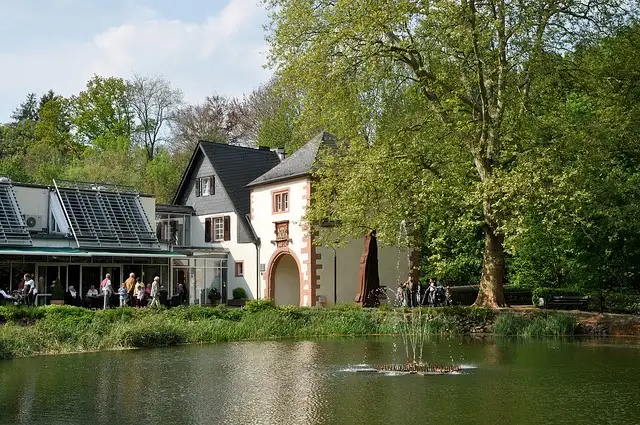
284, 279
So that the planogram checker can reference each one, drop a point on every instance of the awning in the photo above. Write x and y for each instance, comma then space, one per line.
74, 252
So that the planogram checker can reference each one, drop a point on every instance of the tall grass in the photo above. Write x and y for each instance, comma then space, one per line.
540, 324
65, 329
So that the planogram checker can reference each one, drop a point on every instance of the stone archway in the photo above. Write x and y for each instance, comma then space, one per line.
284, 278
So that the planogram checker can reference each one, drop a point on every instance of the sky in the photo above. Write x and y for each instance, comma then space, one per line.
201, 46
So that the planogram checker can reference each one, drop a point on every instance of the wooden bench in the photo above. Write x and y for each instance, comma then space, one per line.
567, 302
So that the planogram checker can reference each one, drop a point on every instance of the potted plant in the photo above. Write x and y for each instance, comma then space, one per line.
57, 292
239, 297
214, 296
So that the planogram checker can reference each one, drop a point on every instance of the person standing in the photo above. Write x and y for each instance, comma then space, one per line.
155, 292
123, 294
29, 288
137, 289
130, 285
107, 290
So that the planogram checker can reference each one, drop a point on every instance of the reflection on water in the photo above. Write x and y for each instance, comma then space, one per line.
323, 382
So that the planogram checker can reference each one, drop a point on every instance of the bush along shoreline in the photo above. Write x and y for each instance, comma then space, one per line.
66, 329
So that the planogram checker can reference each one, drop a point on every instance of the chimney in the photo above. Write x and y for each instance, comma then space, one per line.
281, 154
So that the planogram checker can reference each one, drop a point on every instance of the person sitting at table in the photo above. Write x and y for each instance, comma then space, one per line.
71, 297
92, 299
5, 297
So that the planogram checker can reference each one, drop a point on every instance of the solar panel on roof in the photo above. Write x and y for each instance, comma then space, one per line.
106, 216
12, 228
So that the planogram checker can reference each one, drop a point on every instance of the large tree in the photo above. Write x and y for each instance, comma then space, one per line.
154, 102
465, 70
103, 114
209, 120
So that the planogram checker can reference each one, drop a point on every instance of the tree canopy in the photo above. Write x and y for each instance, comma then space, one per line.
449, 111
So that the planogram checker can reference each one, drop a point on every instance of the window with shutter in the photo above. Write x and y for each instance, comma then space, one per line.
197, 187
212, 185
207, 230
227, 228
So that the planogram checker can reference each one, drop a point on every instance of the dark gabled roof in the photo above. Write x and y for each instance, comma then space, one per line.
300, 163
235, 166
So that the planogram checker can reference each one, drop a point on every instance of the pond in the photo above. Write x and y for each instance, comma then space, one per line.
313, 382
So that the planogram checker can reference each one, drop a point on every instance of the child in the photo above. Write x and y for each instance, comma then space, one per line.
141, 293
123, 294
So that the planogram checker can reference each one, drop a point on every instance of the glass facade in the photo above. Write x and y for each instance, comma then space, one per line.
81, 272
199, 275
173, 229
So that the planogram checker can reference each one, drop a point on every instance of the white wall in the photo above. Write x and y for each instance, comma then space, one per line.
264, 220
33, 201
149, 206
393, 267
245, 252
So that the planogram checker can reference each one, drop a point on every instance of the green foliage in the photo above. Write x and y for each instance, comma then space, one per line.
544, 324
239, 294
213, 295
460, 119
57, 291
547, 293
615, 302
253, 306
63, 329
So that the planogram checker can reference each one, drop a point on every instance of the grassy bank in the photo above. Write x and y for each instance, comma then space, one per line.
64, 329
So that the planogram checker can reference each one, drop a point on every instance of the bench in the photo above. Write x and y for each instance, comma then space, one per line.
567, 302
517, 297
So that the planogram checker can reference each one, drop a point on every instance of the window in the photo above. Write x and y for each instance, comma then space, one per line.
205, 186
239, 268
281, 201
217, 229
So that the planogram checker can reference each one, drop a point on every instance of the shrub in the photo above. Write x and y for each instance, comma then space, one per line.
213, 295
547, 293
21, 314
239, 294
616, 303
156, 333
254, 306
543, 324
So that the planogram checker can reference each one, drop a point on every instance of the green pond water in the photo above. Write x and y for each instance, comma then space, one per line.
315, 382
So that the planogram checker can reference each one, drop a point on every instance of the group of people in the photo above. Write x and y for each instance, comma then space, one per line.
25, 294
131, 292
412, 294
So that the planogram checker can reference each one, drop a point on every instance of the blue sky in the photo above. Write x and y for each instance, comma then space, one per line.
202, 47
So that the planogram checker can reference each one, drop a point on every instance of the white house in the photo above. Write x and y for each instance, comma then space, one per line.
209, 221
295, 271
238, 219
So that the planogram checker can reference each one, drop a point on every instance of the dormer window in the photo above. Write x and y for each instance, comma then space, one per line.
205, 186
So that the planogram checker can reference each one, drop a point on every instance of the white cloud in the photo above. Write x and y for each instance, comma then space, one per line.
223, 53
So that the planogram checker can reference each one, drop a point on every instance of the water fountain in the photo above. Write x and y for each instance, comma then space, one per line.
413, 328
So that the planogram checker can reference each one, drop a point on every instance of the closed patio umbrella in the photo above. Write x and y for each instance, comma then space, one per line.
368, 277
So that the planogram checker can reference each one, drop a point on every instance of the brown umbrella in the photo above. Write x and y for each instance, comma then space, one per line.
368, 277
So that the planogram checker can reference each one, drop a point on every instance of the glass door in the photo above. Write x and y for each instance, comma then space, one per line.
90, 276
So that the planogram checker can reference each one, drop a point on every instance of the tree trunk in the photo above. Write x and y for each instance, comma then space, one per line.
490, 293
